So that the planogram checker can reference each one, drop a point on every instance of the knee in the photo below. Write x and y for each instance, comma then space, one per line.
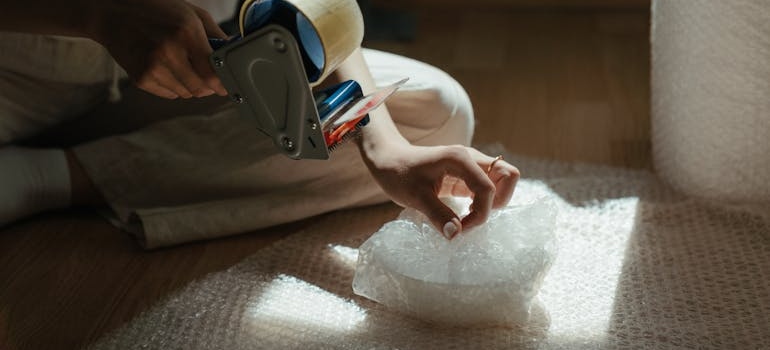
434, 109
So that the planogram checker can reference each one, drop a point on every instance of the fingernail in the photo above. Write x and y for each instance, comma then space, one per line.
205, 92
450, 229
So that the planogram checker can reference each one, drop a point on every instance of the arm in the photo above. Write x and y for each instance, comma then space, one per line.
162, 44
416, 176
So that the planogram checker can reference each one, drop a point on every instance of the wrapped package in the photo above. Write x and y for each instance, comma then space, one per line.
486, 276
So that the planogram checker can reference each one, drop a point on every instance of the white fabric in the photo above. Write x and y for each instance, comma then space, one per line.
32, 181
77, 61
639, 267
45, 80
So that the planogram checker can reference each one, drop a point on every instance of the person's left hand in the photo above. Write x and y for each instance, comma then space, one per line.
416, 176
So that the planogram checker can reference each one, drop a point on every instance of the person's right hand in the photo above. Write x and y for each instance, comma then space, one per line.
418, 176
162, 44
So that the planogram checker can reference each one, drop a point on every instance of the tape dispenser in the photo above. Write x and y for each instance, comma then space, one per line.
268, 71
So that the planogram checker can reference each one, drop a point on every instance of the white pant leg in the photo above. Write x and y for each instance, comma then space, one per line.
203, 176
432, 108
46, 79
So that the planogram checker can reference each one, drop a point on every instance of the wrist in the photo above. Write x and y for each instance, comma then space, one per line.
379, 150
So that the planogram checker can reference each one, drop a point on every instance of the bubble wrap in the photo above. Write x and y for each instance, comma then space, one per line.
486, 276
638, 267
710, 103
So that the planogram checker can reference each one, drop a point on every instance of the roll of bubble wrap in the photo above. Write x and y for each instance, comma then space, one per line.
711, 97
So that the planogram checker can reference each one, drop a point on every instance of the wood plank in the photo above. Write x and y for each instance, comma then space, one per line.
69, 278
565, 85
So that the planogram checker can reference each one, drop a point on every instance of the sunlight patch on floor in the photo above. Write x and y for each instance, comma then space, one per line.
345, 255
292, 302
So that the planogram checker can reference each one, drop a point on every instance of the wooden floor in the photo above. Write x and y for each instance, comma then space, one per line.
569, 85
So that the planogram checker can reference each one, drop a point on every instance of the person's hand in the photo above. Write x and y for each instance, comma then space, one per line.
162, 44
415, 176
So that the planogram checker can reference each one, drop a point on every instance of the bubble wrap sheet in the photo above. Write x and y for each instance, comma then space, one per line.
638, 266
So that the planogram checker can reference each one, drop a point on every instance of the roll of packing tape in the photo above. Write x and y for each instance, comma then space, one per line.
711, 97
327, 31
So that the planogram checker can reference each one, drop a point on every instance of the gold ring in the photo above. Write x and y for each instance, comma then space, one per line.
492, 165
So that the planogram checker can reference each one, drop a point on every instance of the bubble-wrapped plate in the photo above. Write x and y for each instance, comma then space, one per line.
485, 276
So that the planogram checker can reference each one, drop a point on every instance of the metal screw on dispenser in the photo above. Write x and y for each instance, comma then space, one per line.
279, 45
218, 62
238, 98
313, 125
288, 144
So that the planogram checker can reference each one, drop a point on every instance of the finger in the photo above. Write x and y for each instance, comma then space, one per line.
453, 186
159, 80
442, 217
183, 70
165, 78
505, 176
202, 66
479, 213
156, 89
462, 166
209, 24
201, 50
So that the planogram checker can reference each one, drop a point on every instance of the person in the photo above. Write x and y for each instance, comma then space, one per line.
201, 175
